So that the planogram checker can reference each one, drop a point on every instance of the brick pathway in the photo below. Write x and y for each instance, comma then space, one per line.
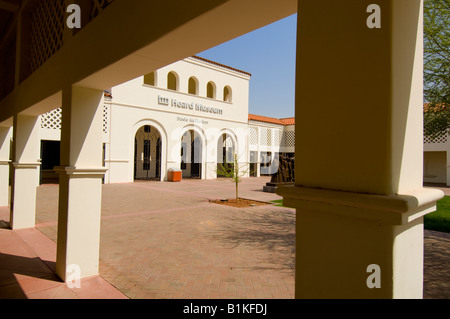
27, 269
164, 240
436, 283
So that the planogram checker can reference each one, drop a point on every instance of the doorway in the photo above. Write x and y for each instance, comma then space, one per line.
147, 154
191, 155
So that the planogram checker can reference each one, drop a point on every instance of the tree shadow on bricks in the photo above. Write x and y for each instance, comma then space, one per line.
272, 231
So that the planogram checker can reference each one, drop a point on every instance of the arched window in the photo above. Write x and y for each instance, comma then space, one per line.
150, 79
193, 86
227, 94
211, 90
172, 81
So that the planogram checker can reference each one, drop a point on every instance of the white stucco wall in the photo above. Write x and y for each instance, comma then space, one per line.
435, 167
436, 161
135, 104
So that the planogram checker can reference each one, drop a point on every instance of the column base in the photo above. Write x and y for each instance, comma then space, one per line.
341, 235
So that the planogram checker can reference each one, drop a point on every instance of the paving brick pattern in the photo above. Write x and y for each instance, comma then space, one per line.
436, 284
165, 240
27, 269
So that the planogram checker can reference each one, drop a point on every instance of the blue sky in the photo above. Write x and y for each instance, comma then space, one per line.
269, 55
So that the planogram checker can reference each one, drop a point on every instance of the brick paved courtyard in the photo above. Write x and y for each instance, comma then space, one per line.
165, 240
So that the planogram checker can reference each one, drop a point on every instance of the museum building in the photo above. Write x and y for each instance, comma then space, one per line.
190, 116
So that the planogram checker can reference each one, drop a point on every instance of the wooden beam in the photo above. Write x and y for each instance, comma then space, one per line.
8, 6
10, 28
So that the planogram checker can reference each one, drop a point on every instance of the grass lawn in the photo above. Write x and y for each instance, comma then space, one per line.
278, 202
438, 220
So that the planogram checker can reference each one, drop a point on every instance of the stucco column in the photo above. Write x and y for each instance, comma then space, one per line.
5, 146
358, 190
80, 183
25, 168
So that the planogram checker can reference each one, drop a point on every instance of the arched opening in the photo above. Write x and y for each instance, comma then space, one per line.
227, 94
147, 154
211, 90
172, 81
193, 86
191, 155
150, 79
225, 155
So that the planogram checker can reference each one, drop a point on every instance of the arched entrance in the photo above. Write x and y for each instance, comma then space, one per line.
225, 155
147, 154
191, 155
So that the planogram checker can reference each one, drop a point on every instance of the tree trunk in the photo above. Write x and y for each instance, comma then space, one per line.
236, 176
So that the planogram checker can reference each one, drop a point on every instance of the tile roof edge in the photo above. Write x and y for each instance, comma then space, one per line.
267, 119
220, 64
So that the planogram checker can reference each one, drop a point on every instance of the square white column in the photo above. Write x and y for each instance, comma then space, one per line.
80, 190
25, 168
359, 119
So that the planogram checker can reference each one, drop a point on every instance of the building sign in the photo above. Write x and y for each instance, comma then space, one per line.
188, 105
191, 120
163, 100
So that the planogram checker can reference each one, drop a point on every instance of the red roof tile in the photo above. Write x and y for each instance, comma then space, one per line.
288, 121
219, 64
260, 118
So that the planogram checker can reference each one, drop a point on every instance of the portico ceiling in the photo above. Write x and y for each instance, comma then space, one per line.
9, 12
131, 38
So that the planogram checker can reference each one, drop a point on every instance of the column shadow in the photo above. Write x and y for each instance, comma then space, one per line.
11, 266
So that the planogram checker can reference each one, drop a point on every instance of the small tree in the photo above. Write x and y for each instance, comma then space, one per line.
234, 173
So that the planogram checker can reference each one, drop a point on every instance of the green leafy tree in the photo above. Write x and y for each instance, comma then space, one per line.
436, 67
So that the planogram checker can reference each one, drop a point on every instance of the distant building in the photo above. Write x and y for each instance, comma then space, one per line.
436, 160
269, 137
